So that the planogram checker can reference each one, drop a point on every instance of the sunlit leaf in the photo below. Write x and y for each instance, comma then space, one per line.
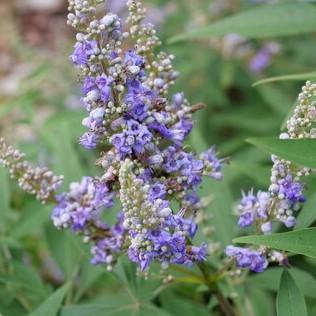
301, 241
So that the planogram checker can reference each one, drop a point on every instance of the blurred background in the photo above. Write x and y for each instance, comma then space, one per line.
41, 113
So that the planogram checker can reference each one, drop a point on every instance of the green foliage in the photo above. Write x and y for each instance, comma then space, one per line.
301, 76
289, 149
263, 21
51, 306
301, 241
290, 301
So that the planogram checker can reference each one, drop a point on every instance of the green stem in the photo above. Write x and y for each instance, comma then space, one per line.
225, 306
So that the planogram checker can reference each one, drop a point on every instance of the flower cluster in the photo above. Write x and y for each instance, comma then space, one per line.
33, 180
285, 195
142, 131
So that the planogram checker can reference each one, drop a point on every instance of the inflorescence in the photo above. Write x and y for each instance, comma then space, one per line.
34, 180
285, 195
146, 168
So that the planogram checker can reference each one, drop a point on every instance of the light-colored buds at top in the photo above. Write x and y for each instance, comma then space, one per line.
108, 19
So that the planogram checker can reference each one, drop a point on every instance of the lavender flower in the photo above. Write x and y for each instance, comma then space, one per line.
82, 204
262, 58
246, 258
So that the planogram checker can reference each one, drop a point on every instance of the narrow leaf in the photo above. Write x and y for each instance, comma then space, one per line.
289, 149
290, 301
301, 241
307, 215
4, 193
270, 279
300, 76
51, 306
260, 22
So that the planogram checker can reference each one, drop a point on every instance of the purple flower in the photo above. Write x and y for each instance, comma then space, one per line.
213, 165
292, 191
95, 119
246, 219
104, 84
134, 139
260, 61
157, 191
83, 203
178, 100
83, 51
89, 140
106, 250
247, 258
88, 85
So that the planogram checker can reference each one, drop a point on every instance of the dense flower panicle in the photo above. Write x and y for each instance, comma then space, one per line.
285, 195
34, 180
146, 166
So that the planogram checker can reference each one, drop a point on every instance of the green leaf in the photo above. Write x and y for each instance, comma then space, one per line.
290, 300
176, 305
105, 310
300, 76
66, 249
24, 278
260, 22
86, 310
270, 279
307, 215
301, 241
33, 217
220, 207
289, 149
4, 192
51, 306
66, 160
257, 172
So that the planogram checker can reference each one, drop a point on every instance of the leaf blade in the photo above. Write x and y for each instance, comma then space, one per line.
289, 149
290, 300
51, 306
260, 22
302, 241
300, 76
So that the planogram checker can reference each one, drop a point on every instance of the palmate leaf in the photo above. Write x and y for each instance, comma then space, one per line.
290, 300
301, 241
263, 21
300, 151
